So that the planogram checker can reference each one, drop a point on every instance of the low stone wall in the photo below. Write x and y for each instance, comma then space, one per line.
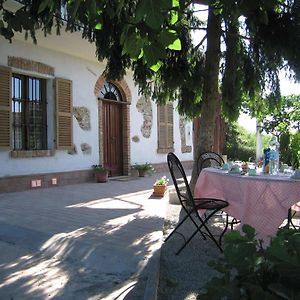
46, 180
37, 181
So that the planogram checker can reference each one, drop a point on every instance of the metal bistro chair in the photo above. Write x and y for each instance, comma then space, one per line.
212, 159
185, 197
209, 159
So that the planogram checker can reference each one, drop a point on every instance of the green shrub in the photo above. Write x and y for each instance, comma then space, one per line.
252, 272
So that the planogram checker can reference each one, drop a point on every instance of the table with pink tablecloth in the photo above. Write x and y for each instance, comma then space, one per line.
261, 201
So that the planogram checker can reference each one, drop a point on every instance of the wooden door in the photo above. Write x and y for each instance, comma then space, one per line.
112, 137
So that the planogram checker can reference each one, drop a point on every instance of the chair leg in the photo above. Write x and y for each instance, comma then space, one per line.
208, 233
189, 239
225, 229
188, 215
177, 226
290, 219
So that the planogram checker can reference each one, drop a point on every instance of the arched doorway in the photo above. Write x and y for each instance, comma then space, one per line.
112, 128
123, 94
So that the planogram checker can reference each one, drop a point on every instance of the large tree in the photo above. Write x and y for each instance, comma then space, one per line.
153, 38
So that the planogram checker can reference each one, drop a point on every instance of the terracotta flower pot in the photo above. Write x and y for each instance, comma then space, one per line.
142, 173
159, 190
101, 176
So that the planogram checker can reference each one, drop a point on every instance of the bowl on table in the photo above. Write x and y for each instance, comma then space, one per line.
235, 169
225, 166
252, 172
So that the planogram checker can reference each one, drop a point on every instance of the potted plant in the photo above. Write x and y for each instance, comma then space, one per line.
143, 168
160, 186
100, 173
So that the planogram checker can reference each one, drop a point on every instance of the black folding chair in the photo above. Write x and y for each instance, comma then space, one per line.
212, 159
191, 205
209, 159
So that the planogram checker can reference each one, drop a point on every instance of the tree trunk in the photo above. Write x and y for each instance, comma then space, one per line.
210, 90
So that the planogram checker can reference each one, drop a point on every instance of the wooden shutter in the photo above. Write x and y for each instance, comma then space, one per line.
165, 128
64, 114
5, 108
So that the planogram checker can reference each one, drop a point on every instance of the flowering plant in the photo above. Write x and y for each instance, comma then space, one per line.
162, 181
143, 167
100, 168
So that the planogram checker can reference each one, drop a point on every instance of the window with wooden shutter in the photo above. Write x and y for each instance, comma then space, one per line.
5, 108
165, 128
64, 115
29, 113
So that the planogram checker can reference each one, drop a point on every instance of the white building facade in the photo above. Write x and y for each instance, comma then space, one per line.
59, 116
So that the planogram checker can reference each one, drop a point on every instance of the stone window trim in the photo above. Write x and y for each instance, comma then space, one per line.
29, 73
5, 144
30, 66
31, 153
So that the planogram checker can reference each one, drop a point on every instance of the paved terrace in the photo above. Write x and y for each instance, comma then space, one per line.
84, 241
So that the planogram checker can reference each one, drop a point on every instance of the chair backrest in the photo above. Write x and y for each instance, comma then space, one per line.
209, 159
179, 179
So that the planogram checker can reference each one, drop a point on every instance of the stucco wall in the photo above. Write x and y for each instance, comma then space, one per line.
146, 149
84, 74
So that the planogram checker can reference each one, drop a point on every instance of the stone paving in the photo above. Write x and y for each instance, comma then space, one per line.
84, 241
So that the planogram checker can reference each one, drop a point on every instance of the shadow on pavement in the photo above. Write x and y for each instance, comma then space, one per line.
77, 242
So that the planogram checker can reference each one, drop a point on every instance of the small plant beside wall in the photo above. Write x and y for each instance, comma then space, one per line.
160, 186
100, 173
250, 271
143, 169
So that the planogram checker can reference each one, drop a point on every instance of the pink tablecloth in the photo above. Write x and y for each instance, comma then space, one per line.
261, 201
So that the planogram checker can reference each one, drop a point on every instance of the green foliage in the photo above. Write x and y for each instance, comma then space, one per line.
266, 140
284, 142
252, 64
143, 167
231, 84
162, 181
153, 38
250, 271
295, 150
284, 117
180, 76
100, 169
239, 143
284, 122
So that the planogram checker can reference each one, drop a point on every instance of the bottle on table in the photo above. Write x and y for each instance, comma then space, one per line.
274, 158
266, 166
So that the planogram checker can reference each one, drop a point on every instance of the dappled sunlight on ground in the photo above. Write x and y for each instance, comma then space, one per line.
89, 247
42, 277
127, 201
